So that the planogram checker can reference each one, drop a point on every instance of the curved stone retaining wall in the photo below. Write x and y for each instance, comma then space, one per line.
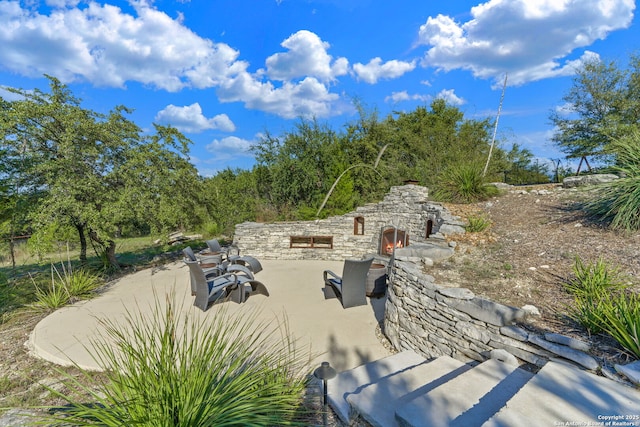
435, 320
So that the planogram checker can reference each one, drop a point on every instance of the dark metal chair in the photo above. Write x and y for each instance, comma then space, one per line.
350, 288
212, 289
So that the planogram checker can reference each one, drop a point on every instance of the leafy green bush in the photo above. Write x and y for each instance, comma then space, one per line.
592, 287
621, 320
619, 201
463, 183
195, 371
477, 224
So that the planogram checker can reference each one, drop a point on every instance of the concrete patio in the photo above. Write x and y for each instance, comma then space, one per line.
345, 338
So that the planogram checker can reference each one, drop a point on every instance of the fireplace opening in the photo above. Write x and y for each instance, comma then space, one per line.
392, 239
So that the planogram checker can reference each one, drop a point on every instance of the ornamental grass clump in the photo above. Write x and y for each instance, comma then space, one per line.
619, 201
593, 285
213, 370
464, 183
65, 286
621, 320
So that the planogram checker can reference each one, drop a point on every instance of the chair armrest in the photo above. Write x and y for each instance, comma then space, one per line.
328, 273
239, 268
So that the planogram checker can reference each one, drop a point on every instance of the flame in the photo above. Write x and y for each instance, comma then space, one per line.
389, 247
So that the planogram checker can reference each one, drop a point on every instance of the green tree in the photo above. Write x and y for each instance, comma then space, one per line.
603, 105
97, 173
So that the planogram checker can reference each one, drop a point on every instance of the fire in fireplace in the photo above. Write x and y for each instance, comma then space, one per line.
391, 239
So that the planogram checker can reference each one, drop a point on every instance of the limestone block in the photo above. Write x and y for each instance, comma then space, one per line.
568, 341
504, 356
568, 353
457, 293
515, 332
631, 371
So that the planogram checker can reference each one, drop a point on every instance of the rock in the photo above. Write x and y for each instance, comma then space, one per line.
515, 332
425, 250
568, 353
584, 180
531, 310
631, 371
504, 356
457, 293
568, 341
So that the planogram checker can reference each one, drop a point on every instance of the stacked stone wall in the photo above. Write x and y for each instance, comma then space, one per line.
404, 207
435, 320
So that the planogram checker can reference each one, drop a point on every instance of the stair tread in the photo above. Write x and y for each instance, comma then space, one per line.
560, 394
360, 377
468, 399
378, 402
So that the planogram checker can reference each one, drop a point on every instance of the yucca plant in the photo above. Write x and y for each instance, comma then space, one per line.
214, 370
593, 285
463, 183
621, 320
619, 201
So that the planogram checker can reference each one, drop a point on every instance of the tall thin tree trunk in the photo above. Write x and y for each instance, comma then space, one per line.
83, 243
495, 129
109, 248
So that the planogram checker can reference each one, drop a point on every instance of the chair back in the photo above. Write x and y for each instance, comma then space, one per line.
197, 277
214, 245
354, 282
189, 254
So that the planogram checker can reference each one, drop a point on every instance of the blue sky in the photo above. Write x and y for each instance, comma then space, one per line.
224, 72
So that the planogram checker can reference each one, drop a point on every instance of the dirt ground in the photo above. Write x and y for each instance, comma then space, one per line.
522, 259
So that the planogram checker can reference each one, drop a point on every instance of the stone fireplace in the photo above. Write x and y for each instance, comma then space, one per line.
368, 231
391, 239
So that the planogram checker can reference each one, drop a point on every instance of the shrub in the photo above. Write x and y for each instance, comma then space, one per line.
621, 320
477, 224
592, 287
225, 371
66, 286
463, 183
619, 201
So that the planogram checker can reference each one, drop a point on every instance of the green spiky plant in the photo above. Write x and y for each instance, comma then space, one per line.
619, 201
213, 370
621, 320
464, 183
592, 287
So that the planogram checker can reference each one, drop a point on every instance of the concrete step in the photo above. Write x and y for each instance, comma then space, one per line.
469, 399
357, 379
560, 394
377, 402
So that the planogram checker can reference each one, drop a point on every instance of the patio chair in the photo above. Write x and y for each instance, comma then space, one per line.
212, 289
248, 261
247, 281
350, 288
215, 247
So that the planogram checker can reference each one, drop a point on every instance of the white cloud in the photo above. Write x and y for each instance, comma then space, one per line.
304, 99
105, 46
376, 70
528, 39
229, 143
450, 97
191, 120
447, 94
230, 148
402, 96
306, 56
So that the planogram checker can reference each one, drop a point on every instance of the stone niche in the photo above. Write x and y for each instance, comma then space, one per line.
352, 235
